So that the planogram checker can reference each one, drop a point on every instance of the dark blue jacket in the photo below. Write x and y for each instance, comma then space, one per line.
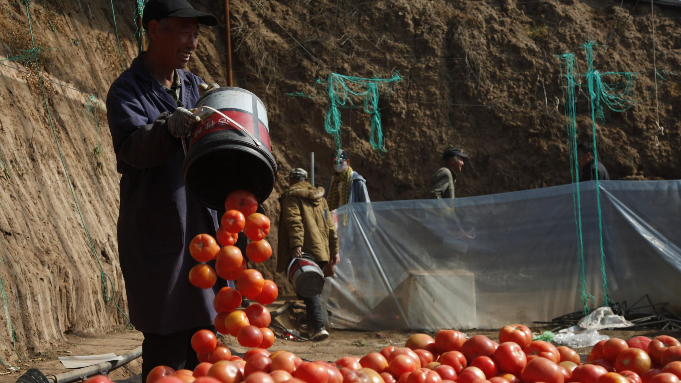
157, 218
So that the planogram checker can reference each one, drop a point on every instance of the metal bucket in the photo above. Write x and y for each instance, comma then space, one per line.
230, 149
305, 276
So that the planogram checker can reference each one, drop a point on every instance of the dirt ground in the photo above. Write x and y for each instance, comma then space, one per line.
339, 344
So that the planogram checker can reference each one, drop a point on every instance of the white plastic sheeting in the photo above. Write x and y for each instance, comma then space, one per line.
484, 262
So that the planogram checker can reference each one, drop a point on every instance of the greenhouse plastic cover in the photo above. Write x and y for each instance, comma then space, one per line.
488, 261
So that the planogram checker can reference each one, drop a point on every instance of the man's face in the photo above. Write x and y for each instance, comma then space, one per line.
178, 38
583, 158
339, 164
456, 164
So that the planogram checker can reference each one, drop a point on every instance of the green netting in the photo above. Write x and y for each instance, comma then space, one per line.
617, 92
139, 11
546, 336
118, 40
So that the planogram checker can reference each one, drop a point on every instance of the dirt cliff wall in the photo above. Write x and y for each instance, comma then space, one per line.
478, 75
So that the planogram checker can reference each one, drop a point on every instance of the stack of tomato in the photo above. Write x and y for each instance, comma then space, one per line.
450, 357
249, 327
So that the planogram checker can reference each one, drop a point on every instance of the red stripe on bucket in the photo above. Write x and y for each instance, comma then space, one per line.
217, 122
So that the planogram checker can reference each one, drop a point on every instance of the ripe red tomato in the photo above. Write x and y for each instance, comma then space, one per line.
405, 351
98, 379
671, 354
509, 358
387, 378
226, 238
226, 372
470, 375
477, 345
664, 377
516, 333
267, 338
203, 358
673, 368
170, 379
219, 322
257, 227
612, 377
401, 364
249, 336
374, 361
280, 376
445, 372
631, 376
228, 298
588, 373
311, 372
258, 315
645, 378
350, 362
641, 342
498, 379
387, 351
202, 276
233, 221
449, 340
218, 307
425, 356
234, 275
568, 355
334, 375
612, 347
285, 361
596, 352
202, 369
659, 345
608, 365
295, 380
424, 375
259, 251
256, 351
633, 359
249, 283
419, 342
206, 379
269, 293
543, 370
203, 248
220, 353
241, 200
486, 364
159, 372
454, 359
258, 362
569, 366
204, 341
228, 259
235, 321
434, 365
511, 378
544, 350
259, 377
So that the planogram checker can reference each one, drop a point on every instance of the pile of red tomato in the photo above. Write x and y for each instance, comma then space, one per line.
448, 358
250, 327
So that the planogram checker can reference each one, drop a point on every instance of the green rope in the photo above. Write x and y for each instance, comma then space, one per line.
103, 275
120, 53
569, 97
27, 55
139, 11
91, 106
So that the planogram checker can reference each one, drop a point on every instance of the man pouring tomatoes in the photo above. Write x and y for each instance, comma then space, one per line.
149, 111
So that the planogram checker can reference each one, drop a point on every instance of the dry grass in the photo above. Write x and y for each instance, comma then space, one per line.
537, 31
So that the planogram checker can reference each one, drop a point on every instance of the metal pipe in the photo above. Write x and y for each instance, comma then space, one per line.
228, 37
281, 309
312, 169
84, 372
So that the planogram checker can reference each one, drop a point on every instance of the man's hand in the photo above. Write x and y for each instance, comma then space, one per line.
298, 251
205, 88
335, 259
181, 122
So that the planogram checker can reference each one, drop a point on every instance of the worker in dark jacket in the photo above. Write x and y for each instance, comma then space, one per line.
149, 114
587, 164
305, 226
442, 183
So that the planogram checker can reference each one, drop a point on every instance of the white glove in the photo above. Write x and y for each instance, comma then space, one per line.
205, 88
181, 122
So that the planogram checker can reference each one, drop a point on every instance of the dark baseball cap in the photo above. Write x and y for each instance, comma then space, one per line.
160, 9
342, 155
451, 152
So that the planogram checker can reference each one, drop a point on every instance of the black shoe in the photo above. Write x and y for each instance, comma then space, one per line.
245, 302
320, 334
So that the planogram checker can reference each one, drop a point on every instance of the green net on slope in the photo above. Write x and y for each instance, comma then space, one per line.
351, 92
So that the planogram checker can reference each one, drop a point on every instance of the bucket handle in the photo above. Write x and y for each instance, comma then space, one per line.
235, 123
